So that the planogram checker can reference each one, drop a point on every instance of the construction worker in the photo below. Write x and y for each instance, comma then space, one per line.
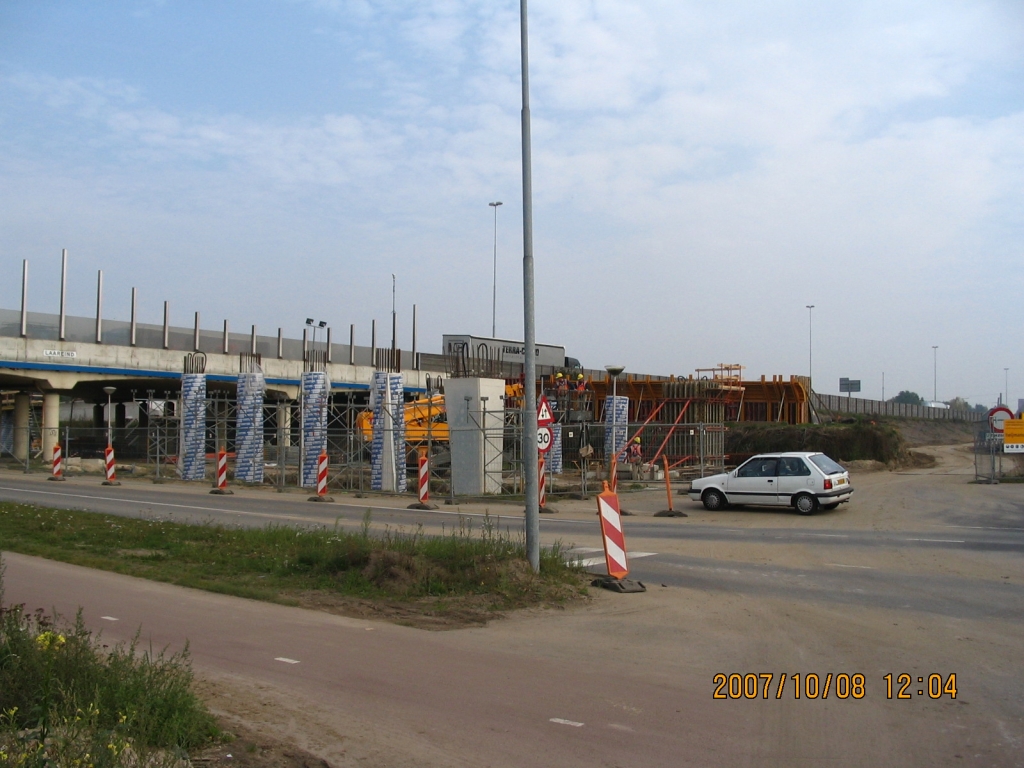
635, 457
561, 390
581, 384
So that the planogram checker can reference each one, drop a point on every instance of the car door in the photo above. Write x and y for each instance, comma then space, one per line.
794, 476
754, 482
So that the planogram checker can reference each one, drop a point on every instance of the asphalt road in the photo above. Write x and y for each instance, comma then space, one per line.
935, 586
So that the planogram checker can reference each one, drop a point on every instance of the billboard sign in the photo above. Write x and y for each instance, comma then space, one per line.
849, 385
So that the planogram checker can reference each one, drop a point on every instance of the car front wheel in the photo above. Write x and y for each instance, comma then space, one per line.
805, 504
713, 500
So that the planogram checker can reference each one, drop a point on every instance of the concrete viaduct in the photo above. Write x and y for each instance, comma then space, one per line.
76, 357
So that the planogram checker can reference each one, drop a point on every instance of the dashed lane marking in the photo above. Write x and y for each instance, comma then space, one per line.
843, 565
286, 660
561, 721
109, 618
940, 541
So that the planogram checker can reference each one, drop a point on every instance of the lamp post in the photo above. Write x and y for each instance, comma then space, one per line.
810, 342
494, 287
935, 373
1006, 387
109, 391
530, 452
315, 325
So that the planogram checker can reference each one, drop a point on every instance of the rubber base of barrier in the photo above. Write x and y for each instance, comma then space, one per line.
424, 507
618, 585
57, 479
321, 498
222, 492
547, 509
670, 513
111, 482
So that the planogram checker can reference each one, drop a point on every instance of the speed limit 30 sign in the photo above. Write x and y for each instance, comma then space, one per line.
544, 439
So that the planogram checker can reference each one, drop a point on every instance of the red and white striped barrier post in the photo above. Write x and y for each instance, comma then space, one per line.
423, 484
58, 464
614, 541
542, 484
321, 480
111, 466
221, 488
423, 480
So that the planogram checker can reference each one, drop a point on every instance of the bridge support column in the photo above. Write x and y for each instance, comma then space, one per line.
21, 422
51, 424
284, 415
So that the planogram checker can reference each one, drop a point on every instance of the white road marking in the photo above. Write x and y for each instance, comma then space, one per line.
560, 721
286, 660
619, 727
827, 535
109, 618
984, 527
941, 541
598, 560
841, 565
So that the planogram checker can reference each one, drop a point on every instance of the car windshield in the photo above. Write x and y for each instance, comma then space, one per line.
826, 465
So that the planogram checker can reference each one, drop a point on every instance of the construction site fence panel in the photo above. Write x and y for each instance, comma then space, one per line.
827, 405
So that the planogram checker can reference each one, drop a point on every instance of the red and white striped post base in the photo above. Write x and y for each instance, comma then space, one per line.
58, 464
542, 489
614, 540
221, 488
321, 480
111, 466
423, 485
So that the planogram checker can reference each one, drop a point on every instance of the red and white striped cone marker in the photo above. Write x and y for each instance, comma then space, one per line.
111, 466
221, 488
542, 484
321, 480
58, 464
423, 485
614, 541
423, 480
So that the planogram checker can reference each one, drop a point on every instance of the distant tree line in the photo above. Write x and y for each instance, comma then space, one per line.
907, 397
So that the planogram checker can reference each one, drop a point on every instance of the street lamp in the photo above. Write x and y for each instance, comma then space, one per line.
614, 371
1006, 388
810, 345
315, 325
494, 288
109, 391
935, 373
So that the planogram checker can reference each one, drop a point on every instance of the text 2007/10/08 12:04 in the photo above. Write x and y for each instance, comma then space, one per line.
815, 687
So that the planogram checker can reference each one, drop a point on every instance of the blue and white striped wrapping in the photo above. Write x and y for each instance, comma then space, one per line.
249, 428
6, 433
192, 450
616, 416
315, 391
554, 458
387, 450
397, 392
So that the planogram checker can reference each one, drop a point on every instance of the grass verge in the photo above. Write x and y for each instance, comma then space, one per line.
65, 699
464, 576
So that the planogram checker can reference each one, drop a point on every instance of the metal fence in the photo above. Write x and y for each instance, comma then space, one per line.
829, 405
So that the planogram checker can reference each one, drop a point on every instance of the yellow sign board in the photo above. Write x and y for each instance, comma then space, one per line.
1013, 436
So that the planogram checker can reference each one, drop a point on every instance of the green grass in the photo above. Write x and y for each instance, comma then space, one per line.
277, 563
64, 697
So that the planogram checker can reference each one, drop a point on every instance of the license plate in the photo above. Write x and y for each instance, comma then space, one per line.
841, 481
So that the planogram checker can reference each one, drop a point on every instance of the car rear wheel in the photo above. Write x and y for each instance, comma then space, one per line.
713, 500
805, 504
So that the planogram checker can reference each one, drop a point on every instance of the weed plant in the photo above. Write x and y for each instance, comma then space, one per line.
68, 700
274, 562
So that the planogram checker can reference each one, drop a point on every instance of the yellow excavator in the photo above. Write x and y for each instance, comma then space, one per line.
426, 420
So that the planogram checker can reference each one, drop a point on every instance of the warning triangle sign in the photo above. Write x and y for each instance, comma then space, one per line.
544, 414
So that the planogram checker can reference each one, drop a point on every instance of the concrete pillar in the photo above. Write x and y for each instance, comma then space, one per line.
51, 424
120, 415
21, 422
99, 419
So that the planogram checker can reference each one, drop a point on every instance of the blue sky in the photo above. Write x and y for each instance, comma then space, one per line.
702, 171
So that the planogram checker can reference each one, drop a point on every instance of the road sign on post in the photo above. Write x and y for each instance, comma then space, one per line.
999, 416
1013, 436
544, 414
849, 385
545, 438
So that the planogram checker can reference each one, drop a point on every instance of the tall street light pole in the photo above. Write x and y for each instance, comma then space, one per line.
494, 288
529, 342
1006, 388
935, 373
810, 342
110, 437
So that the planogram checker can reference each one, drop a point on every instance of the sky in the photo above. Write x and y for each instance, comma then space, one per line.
702, 171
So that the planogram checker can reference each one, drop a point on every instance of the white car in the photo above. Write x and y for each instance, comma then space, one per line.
803, 480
